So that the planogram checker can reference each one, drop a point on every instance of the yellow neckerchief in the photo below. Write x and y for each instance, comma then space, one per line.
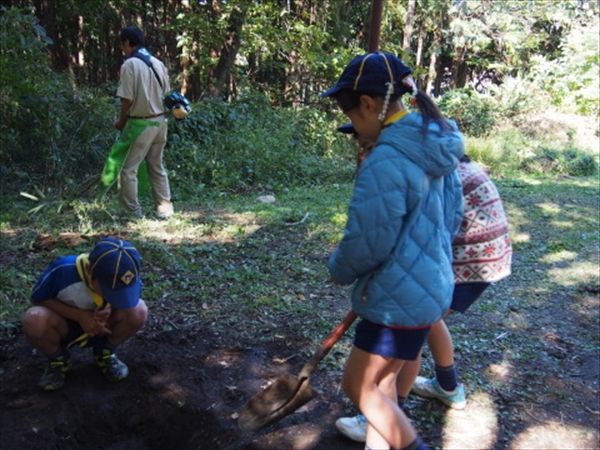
395, 117
82, 263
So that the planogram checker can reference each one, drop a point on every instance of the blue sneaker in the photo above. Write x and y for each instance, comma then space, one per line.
432, 389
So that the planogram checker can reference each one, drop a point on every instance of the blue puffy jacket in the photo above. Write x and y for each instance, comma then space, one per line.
406, 207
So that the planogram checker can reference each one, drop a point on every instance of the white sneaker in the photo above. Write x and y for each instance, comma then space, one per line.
354, 428
164, 215
432, 389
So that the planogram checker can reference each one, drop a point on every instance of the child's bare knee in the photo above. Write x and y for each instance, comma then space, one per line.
134, 318
35, 319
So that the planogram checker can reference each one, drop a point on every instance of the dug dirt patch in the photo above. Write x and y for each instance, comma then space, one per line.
183, 392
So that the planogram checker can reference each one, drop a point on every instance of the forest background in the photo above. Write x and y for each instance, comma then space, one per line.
254, 70
520, 77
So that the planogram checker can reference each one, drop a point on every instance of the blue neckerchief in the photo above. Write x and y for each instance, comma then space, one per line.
143, 54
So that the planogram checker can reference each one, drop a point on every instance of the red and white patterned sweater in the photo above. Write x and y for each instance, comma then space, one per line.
481, 250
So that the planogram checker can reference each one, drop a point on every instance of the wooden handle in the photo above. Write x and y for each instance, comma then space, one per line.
327, 345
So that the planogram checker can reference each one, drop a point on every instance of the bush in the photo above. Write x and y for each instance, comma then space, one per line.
472, 112
53, 137
570, 162
247, 144
517, 96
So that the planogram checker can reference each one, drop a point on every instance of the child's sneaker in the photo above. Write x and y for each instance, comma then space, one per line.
354, 428
432, 389
54, 376
112, 367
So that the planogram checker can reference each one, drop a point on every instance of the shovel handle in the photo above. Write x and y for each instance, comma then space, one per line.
327, 345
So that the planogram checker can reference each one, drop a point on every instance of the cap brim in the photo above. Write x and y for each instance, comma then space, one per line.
347, 128
330, 92
122, 298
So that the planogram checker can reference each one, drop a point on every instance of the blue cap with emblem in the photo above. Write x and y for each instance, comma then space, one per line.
116, 265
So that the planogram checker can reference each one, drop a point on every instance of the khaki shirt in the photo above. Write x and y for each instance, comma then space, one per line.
138, 83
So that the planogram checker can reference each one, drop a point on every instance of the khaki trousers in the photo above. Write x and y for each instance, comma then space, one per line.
149, 147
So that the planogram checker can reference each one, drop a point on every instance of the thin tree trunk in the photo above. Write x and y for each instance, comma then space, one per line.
410, 17
434, 77
229, 51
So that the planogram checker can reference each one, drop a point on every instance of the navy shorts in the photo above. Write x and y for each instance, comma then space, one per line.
390, 342
465, 295
76, 331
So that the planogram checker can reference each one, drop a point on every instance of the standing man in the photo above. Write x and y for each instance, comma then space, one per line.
88, 300
144, 83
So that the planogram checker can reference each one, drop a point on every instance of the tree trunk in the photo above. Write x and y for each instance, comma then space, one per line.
435, 76
410, 17
420, 40
228, 53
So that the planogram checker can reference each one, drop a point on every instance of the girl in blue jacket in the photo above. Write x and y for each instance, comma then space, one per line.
405, 209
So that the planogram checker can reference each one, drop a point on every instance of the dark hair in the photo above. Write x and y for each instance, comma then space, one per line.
134, 35
348, 100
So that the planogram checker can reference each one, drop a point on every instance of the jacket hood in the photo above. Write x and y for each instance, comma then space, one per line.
436, 152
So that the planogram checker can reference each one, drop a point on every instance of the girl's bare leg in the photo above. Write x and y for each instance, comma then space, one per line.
369, 381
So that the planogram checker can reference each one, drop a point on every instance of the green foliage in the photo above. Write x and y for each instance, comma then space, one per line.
571, 81
53, 137
247, 144
511, 152
570, 161
23, 54
472, 112
518, 96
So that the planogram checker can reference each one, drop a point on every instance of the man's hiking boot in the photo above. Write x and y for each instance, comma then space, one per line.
112, 367
432, 389
54, 376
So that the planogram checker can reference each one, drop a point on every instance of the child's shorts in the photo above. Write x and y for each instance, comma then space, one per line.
390, 342
465, 295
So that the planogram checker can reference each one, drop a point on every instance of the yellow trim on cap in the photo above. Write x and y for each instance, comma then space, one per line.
362, 65
387, 63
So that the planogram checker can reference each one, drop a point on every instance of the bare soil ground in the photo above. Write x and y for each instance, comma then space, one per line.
527, 353
187, 385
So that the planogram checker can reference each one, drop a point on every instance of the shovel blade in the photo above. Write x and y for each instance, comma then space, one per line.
277, 401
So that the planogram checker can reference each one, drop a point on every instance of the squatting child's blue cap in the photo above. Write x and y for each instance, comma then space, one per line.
370, 73
116, 264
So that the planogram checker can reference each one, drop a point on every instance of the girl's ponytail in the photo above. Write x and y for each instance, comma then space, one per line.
430, 111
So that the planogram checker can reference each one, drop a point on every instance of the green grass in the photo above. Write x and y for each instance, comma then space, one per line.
233, 248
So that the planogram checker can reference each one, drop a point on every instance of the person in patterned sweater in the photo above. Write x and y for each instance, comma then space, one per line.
482, 254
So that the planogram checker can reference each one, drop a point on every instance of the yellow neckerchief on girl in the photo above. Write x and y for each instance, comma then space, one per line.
395, 117
81, 263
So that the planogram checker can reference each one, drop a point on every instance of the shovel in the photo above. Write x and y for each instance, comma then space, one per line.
288, 393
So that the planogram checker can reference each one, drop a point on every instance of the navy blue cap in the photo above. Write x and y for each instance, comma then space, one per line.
370, 73
116, 265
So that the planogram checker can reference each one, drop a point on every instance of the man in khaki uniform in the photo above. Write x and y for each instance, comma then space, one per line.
144, 83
